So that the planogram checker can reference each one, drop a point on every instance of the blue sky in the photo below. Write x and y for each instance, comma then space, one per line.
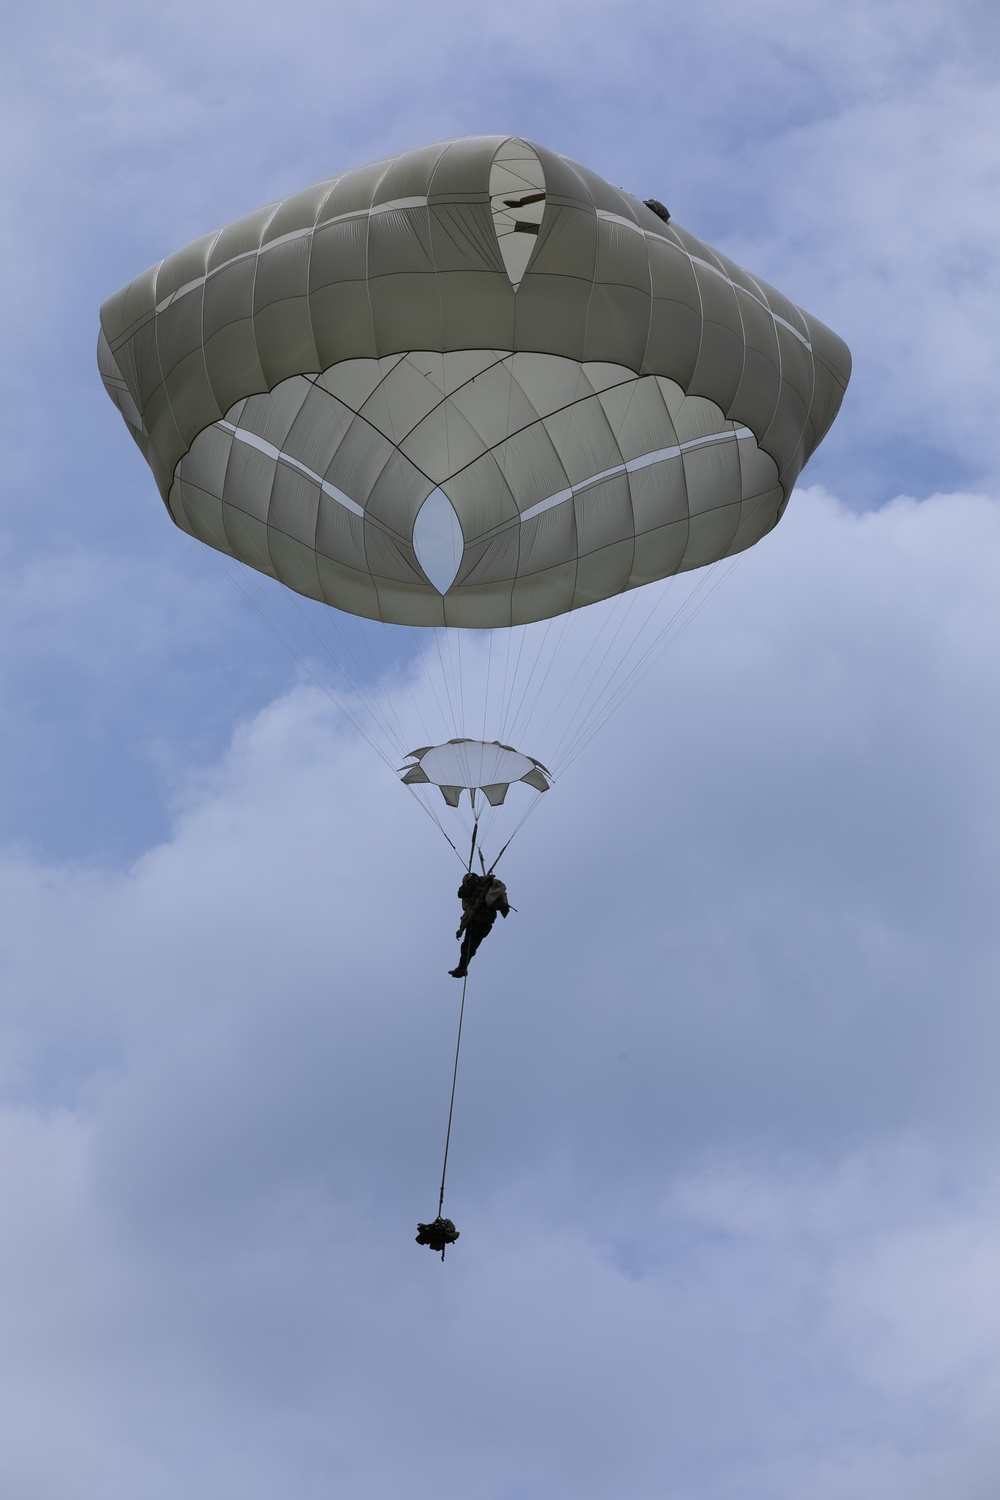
726, 1158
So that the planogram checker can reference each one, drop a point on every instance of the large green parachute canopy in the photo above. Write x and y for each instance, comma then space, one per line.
470, 385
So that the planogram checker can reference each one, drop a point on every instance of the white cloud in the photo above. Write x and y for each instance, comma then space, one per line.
728, 1223
722, 1162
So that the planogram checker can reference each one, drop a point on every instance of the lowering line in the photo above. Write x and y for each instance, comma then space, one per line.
442, 1233
451, 1105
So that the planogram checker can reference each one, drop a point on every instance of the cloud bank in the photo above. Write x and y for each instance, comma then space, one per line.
730, 1216
725, 1155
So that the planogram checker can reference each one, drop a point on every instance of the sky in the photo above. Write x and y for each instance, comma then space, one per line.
726, 1159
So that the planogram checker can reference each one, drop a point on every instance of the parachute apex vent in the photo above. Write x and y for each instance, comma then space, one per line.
517, 200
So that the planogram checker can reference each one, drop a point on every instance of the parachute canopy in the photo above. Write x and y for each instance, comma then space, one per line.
474, 765
470, 385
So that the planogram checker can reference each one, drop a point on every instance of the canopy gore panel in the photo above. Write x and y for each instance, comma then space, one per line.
470, 385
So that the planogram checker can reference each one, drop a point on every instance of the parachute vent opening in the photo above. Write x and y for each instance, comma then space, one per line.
438, 540
517, 197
